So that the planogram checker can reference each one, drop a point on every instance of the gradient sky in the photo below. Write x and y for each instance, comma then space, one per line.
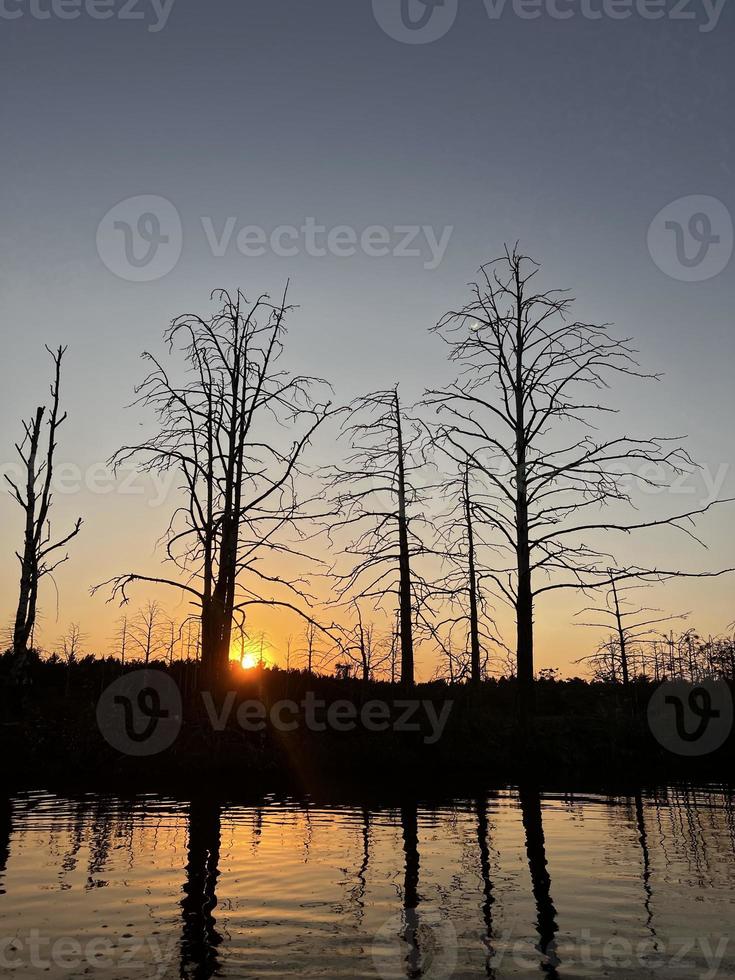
569, 135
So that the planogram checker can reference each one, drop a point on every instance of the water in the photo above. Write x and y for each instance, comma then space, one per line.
500, 886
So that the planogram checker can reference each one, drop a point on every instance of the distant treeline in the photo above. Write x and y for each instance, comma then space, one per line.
314, 729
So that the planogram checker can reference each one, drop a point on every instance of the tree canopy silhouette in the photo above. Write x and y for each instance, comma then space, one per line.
522, 412
222, 429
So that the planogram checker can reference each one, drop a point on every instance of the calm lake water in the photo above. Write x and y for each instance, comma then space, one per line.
505, 885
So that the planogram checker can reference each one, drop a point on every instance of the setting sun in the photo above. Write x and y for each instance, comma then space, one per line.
249, 661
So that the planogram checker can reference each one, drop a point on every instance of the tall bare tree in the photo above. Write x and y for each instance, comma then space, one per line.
522, 412
39, 555
220, 428
377, 500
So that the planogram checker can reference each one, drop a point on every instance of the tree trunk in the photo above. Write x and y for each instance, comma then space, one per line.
524, 640
472, 573
407, 672
211, 645
25, 613
622, 639
524, 599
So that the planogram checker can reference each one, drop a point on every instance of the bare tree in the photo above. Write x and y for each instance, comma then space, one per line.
309, 650
147, 630
635, 626
377, 500
173, 638
39, 556
220, 430
454, 662
364, 647
191, 636
71, 643
522, 412
465, 630
121, 639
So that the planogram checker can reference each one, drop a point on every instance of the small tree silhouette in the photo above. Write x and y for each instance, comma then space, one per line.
38, 556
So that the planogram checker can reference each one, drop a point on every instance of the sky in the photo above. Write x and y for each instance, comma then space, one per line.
153, 152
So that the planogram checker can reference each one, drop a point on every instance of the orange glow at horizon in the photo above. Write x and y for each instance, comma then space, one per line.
251, 655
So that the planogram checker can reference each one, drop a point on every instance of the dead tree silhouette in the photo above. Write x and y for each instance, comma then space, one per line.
458, 592
522, 412
359, 643
38, 556
220, 430
634, 627
146, 631
376, 499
